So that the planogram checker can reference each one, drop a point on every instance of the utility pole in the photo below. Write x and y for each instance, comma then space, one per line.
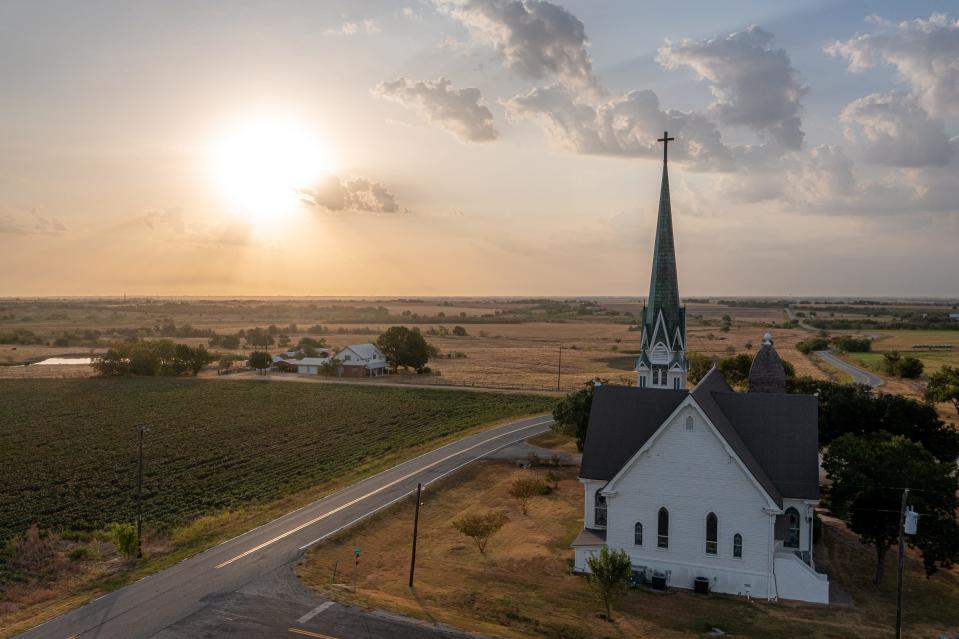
140, 496
416, 524
902, 558
559, 367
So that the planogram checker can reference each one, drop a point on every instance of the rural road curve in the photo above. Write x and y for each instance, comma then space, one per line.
859, 375
218, 590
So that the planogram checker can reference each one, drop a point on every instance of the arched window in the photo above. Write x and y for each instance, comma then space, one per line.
638, 534
712, 534
792, 523
662, 536
738, 546
655, 377
599, 510
792, 528
690, 424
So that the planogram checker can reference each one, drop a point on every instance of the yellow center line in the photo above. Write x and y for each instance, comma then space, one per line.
371, 493
307, 633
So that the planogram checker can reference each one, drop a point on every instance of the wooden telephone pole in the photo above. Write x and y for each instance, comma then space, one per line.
416, 523
559, 367
140, 494
902, 557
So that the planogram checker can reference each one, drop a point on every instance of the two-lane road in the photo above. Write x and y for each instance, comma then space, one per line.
147, 607
859, 375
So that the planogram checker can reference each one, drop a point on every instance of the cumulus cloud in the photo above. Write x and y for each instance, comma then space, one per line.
351, 28
536, 38
753, 84
623, 126
460, 111
893, 129
30, 224
924, 52
351, 194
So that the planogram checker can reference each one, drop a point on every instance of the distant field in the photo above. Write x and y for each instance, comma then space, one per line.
68, 447
518, 347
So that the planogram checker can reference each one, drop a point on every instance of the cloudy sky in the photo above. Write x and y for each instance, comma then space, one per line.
477, 147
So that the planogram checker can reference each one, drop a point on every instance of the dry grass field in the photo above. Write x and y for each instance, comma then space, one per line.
522, 586
521, 354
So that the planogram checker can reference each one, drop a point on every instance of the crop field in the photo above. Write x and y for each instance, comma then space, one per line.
68, 448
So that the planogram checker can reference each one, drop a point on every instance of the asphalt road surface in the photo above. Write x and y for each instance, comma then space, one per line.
859, 375
245, 588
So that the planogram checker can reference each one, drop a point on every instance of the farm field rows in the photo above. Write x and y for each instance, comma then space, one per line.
68, 447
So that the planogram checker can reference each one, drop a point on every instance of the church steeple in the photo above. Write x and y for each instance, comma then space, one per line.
663, 285
662, 362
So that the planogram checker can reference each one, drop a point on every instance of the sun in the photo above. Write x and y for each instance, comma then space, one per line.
262, 162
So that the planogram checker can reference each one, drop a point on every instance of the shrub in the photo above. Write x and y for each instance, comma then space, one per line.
124, 537
811, 344
79, 553
459, 331
849, 344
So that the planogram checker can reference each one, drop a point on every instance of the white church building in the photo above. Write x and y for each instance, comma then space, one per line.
705, 484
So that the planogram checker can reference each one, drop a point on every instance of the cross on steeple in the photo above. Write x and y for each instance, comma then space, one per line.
665, 140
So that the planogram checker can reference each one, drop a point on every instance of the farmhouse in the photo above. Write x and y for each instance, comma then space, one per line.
360, 360
288, 363
704, 487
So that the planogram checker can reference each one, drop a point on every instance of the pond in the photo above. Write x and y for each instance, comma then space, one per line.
64, 360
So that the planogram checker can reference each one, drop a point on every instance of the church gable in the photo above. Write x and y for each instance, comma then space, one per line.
687, 450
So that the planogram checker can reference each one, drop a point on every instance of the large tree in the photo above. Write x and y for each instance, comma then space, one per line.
944, 386
260, 360
858, 409
868, 473
571, 415
405, 347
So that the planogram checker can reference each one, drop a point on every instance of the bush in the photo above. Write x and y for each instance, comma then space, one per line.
812, 344
849, 344
79, 553
459, 331
124, 537
895, 364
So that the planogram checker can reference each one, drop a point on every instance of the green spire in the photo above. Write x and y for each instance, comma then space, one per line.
663, 286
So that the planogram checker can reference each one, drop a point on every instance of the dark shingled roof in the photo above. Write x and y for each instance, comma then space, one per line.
620, 421
767, 374
781, 431
775, 435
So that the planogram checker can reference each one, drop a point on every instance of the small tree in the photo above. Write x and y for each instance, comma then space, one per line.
525, 488
944, 386
459, 331
736, 369
609, 575
699, 365
480, 526
260, 360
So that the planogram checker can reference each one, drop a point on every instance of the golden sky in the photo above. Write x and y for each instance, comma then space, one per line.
454, 147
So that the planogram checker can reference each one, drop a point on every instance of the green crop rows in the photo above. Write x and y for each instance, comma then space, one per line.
68, 447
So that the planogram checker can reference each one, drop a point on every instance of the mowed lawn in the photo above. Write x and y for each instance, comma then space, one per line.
68, 448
